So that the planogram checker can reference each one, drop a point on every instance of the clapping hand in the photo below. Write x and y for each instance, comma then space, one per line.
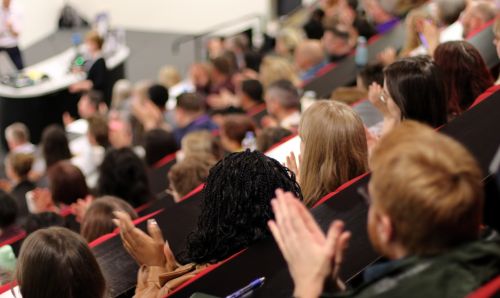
311, 256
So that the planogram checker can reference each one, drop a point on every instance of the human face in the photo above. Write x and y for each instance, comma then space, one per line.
85, 108
334, 45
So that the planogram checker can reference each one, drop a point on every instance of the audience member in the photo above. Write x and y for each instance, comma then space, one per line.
56, 262
122, 92
283, 103
158, 144
17, 168
383, 20
309, 59
8, 215
234, 130
234, 213
54, 145
413, 89
437, 183
98, 218
220, 75
287, 40
448, 14
271, 136
277, 68
188, 174
190, 115
333, 149
17, 136
250, 94
476, 16
91, 103
314, 26
201, 143
123, 174
169, 76
465, 74
91, 152
337, 43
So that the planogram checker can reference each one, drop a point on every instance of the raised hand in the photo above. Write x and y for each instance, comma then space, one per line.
311, 256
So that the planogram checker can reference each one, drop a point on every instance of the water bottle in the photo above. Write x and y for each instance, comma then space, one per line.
361, 57
249, 141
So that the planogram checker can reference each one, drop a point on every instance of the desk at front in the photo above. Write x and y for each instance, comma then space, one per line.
43, 104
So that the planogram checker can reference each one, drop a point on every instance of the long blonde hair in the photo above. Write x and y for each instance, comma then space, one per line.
335, 148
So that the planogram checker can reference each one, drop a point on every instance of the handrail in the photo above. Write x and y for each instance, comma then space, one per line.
187, 38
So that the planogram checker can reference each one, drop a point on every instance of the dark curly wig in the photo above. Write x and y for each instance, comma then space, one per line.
123, 174
236, 205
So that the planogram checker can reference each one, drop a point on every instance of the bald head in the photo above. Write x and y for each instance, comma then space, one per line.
309, 53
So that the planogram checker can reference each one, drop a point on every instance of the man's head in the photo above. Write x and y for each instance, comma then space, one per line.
477, 15
189, 106
89, 103
17, 134
250, 93
426, 192
282, 96
308, 54
158, 94
336, 42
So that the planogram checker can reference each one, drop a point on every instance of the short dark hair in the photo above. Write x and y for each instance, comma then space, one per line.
158, 143
253, 89
158, 94
373, 72
20, 163
95, 97
237, 205
8, 210
235, 127
56, 262
35, 222
123, 174
192, 102
222, 65
99, 129
288, 95
54, 145
417, 87
67, 183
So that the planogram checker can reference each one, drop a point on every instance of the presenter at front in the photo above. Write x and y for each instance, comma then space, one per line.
10, 22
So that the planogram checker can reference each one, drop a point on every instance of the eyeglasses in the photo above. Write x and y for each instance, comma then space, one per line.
363, 192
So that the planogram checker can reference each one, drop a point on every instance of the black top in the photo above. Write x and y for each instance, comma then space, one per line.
98, 74
19, 194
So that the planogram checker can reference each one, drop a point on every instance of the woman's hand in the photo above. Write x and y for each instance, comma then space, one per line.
383, 102
42, 200
311, 256
293, 165
146, 249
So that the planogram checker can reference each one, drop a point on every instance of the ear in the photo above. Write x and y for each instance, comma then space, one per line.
385, 228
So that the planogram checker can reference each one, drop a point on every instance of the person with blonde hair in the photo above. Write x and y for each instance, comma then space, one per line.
201, 142
425, 212
274, 69
169, 76
333, 149
287, 40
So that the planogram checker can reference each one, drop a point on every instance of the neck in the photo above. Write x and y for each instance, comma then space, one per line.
247, 104
192, 117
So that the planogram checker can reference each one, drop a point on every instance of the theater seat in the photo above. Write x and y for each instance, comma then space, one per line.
491, 289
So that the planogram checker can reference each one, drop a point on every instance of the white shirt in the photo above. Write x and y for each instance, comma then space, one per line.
291, 121
12, 16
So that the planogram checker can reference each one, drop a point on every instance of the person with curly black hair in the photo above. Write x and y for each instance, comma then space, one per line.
234, 214
123, 174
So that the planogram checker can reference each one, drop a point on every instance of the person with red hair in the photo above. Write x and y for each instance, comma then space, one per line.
465, 74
